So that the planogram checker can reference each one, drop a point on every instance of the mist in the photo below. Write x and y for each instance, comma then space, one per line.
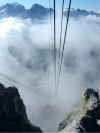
26, 56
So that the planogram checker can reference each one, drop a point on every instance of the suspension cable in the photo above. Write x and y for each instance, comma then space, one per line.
61, 32
66, 29
51, 44
55, 40
51, 39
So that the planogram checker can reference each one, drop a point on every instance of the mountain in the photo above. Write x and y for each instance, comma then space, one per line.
77, 13
12, 10
17, 10
38, 11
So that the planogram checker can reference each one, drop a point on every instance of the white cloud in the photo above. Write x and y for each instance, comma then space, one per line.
24, 56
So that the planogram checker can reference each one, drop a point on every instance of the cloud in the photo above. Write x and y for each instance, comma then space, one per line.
26, 56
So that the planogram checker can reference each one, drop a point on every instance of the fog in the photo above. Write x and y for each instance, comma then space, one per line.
26, 56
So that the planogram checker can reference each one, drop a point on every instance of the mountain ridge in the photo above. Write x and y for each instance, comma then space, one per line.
76, 13
37, 11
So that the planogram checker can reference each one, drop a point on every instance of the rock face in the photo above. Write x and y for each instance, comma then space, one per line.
86, 118
13, 117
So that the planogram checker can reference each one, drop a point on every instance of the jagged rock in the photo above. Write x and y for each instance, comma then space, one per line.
86, 118
13, 117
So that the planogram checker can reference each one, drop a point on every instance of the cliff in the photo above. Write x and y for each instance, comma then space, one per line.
85, 118
13, 117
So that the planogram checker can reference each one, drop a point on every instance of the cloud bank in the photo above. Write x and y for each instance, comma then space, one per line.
25, 57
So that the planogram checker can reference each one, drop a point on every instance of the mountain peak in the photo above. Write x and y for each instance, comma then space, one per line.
13, 7
37, 7
15, 4
38, 11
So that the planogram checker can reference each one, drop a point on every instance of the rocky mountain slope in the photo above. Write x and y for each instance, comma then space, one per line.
85, 118
13, 117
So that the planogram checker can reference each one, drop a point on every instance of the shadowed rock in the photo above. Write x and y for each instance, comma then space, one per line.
13, 117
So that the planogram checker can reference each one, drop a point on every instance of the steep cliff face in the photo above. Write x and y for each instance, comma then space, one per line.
85, 118
13, 117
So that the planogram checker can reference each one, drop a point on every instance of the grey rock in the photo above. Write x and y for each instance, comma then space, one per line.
85, 118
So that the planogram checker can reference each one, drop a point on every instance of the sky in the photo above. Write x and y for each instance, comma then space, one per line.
83, 4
